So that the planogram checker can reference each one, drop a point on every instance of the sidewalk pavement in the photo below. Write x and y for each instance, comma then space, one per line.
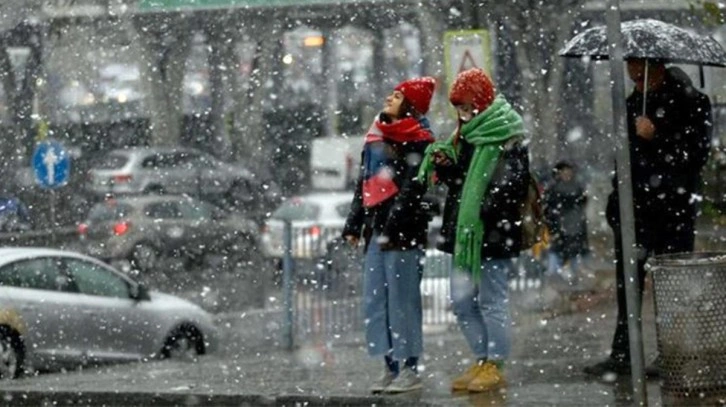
549, 351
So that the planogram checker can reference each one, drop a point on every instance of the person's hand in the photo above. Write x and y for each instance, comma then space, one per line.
441, 159
384, 242
352, 240
644, 128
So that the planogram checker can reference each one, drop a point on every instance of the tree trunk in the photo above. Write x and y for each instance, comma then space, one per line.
432, 36
8, 79
557, 85
530, 89
379, 66
10, 88
217, 67
163, 59
175, 66
253, 141
24, 104
161, 129
238, 100
331, 76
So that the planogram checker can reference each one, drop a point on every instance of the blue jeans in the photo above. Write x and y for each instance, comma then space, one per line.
555, 264
392, 295
482, 308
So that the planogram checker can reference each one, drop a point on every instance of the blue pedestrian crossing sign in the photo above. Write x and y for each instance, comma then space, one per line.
51, 164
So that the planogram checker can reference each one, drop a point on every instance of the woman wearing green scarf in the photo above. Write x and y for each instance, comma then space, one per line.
486, 168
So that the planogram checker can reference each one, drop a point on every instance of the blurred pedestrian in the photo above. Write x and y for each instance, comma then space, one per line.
565, 201
485, 165
669, 144
387, 212
14, 215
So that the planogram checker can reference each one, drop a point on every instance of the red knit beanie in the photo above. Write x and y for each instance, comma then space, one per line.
472, 86
418, 92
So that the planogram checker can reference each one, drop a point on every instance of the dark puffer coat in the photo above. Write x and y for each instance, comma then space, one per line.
501, 209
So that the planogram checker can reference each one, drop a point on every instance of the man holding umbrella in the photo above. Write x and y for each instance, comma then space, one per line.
669, 132
668, 138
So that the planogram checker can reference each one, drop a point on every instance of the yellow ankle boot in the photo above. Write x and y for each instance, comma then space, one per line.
462, 381
488, 378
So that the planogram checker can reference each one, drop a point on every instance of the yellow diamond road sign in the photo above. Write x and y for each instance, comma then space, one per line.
467, 49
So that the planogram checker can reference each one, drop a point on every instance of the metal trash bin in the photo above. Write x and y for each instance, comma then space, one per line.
690, 311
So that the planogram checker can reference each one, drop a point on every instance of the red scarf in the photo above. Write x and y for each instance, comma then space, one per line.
400, 131
378, 183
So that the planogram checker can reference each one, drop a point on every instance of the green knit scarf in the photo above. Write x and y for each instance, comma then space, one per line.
487, 132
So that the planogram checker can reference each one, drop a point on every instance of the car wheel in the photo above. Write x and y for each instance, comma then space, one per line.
242, 250
184, 343
239, 195
154, 190
145, 257
11, 355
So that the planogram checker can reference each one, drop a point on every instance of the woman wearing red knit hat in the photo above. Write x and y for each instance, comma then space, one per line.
486, 168
387, 212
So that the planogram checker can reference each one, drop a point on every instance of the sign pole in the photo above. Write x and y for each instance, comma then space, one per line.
625, 195
52, 218
288, 287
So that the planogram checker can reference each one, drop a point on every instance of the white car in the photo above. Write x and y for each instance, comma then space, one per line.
59, 308
316, 218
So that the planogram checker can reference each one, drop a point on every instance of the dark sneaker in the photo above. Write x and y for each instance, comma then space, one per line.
383, 381
407, 380
608, 367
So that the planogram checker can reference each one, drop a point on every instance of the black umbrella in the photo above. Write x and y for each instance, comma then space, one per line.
650, 39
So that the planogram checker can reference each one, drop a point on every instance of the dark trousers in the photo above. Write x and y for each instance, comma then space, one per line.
659, 239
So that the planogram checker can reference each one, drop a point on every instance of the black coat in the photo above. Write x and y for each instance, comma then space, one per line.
403, 218
564, 209
501, 209
666, 170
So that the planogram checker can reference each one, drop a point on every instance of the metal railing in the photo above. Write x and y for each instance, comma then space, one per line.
38, 238
323, 286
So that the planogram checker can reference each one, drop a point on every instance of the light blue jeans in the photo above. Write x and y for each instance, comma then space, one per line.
392, 295
482, 308
555, 264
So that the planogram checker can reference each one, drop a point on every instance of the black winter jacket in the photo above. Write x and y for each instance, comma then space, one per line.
402, 218
666, 170
502, 205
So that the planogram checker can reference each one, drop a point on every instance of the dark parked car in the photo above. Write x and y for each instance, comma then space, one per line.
144, 229
177, 171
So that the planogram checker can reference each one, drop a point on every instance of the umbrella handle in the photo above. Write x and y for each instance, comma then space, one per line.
645, 87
